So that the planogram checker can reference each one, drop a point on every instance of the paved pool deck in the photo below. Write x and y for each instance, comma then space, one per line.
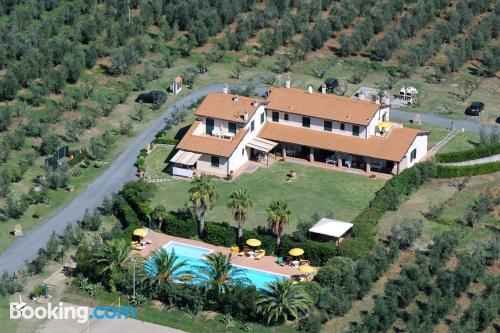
267, 263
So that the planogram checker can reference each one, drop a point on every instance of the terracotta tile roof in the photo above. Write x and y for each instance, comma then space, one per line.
325, 106
392, 147
207, 144
222, 106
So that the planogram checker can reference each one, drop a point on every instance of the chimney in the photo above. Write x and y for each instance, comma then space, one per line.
254, 103
245, 116
225, 90
235, 98
288, 82
310, 89
323, 88
385, 99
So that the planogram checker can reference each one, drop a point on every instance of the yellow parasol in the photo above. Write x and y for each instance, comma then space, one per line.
296, 252
141, 232
307, 269
253, 242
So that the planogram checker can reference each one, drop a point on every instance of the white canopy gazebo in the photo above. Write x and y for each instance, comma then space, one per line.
331, 228
262, 145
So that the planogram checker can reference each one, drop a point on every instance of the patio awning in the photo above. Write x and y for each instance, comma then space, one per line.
331, 227
185, 157
384, 124
262, 144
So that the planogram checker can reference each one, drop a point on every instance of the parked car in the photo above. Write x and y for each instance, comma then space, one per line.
156, 97
331, 84
474, 109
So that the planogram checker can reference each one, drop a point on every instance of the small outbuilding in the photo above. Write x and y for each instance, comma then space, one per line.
331, 230
176, 85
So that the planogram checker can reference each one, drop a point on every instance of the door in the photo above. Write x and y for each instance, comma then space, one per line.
209, 125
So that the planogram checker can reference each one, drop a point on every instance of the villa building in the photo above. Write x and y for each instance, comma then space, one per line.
292, 123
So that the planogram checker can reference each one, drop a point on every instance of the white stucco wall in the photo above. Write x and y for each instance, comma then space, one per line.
204, 164
237, 159
420, 144
317, 124
219, 124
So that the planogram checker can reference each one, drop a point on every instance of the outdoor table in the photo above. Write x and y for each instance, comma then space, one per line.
251, 253
295, 263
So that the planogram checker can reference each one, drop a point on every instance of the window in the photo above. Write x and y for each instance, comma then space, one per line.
262, 117
342, 127
209, 126
252, 125
276, 116
242, 151
306, 122
413, 154
286, 116
327, 126
232, 127
355, 130
215, 161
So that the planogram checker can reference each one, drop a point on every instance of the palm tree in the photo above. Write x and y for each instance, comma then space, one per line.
158, 215
240, 203
112, 254
202, 197
219, 275
283, 300
163, 267
278, 216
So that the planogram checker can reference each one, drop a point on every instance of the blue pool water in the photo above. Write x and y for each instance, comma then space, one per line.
193, 256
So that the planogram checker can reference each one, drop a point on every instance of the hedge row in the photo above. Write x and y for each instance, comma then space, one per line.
166, 141
126, 215
444, 171
389, 197
470, 154
223, 234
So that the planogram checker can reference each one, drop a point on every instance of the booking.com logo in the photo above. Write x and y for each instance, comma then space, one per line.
81, 314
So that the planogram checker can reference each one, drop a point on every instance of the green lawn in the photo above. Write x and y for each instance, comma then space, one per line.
324, 192
156, 161
462, 141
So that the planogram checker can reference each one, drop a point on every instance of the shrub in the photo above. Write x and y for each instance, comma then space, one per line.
166, 141
356, 247
180, 228
311, 323
445, 171
92, 221
38, 291
240, 303
335, 272
406, 233
470, 154
125, 213
220, 234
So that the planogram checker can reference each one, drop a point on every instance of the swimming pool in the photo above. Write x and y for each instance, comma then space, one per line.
193, 255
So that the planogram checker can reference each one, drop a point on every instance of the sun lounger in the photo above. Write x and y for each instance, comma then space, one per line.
260, 255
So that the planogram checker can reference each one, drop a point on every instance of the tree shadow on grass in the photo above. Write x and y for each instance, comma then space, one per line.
181, 132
